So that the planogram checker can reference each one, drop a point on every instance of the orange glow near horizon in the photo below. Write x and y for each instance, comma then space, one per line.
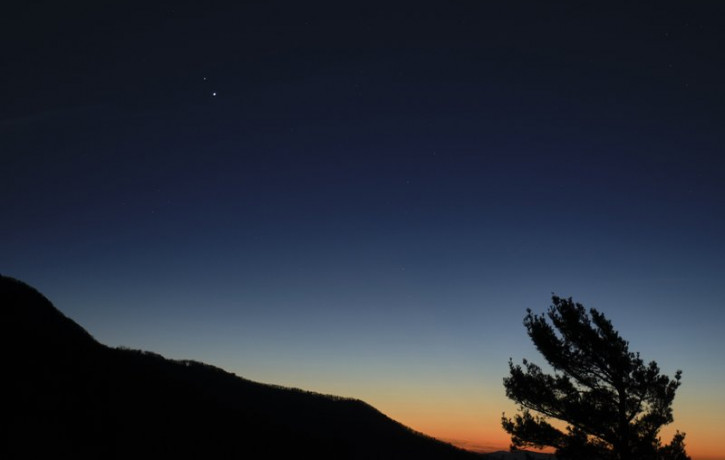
469, 423
481, 433
465, 410
496, 440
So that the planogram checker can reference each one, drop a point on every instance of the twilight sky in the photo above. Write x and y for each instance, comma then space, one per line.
363, 199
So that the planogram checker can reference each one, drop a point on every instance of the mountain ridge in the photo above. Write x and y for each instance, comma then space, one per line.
88, 400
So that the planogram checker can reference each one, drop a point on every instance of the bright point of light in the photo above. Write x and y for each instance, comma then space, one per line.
213, 94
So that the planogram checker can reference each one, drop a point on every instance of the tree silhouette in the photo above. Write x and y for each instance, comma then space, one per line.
611, 404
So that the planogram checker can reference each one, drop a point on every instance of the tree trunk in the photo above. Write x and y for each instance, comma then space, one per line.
623, 449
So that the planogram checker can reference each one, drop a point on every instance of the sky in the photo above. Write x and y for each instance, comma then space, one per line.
362, 199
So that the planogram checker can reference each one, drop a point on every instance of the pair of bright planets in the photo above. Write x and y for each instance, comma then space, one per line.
213, 93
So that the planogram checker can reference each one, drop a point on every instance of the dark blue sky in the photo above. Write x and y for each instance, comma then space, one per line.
359, 198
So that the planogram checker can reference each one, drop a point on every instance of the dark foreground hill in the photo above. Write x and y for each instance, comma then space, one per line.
72, 397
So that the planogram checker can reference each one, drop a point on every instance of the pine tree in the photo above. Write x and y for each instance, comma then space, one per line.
611, 403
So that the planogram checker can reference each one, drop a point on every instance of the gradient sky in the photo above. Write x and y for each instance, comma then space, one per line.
364, 199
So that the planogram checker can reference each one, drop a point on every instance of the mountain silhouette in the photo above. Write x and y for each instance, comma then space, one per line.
70, 396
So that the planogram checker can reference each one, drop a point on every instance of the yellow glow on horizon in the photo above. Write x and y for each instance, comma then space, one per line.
461, 416
476, 425
467, 411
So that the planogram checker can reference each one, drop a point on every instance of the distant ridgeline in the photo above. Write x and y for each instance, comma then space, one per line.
70, 396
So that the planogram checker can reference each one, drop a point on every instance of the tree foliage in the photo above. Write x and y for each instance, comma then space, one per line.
612, 403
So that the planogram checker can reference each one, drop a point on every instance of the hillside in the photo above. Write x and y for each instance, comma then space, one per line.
73, 397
